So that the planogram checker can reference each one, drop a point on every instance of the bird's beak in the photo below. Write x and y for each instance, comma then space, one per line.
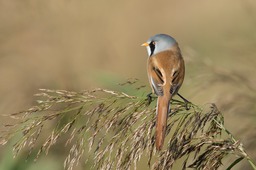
145, 44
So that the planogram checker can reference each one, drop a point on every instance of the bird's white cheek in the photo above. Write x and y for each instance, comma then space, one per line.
148, 50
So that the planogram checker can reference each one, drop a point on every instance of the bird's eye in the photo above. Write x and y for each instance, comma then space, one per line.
153, 42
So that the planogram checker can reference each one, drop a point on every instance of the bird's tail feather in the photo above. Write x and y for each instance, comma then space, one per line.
161, 121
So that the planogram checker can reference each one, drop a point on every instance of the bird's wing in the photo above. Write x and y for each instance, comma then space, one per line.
156, 80
177, 78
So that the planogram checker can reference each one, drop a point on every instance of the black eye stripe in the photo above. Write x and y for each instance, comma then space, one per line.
152, 47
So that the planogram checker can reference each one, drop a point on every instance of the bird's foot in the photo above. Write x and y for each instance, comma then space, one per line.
187, 106
149, 98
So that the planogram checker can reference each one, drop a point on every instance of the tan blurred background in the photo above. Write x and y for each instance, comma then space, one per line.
76, 45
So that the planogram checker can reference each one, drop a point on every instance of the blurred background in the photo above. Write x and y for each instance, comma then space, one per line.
78, 45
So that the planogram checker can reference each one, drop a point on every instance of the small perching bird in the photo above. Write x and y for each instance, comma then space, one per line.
166, 71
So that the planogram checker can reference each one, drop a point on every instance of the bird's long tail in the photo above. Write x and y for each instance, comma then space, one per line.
161, 120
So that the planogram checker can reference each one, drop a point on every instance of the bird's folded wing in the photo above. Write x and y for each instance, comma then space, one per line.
157, 81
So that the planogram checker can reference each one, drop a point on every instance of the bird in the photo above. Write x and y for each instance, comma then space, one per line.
166, 71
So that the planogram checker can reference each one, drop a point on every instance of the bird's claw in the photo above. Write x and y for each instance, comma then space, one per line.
149, 98
187, 106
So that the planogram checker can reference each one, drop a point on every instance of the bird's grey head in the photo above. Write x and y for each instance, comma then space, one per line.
159, 43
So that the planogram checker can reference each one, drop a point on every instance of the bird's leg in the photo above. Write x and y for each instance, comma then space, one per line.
185, 101
169, 111
149, 98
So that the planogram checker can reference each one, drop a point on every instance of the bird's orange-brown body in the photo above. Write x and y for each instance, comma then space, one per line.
166, 72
